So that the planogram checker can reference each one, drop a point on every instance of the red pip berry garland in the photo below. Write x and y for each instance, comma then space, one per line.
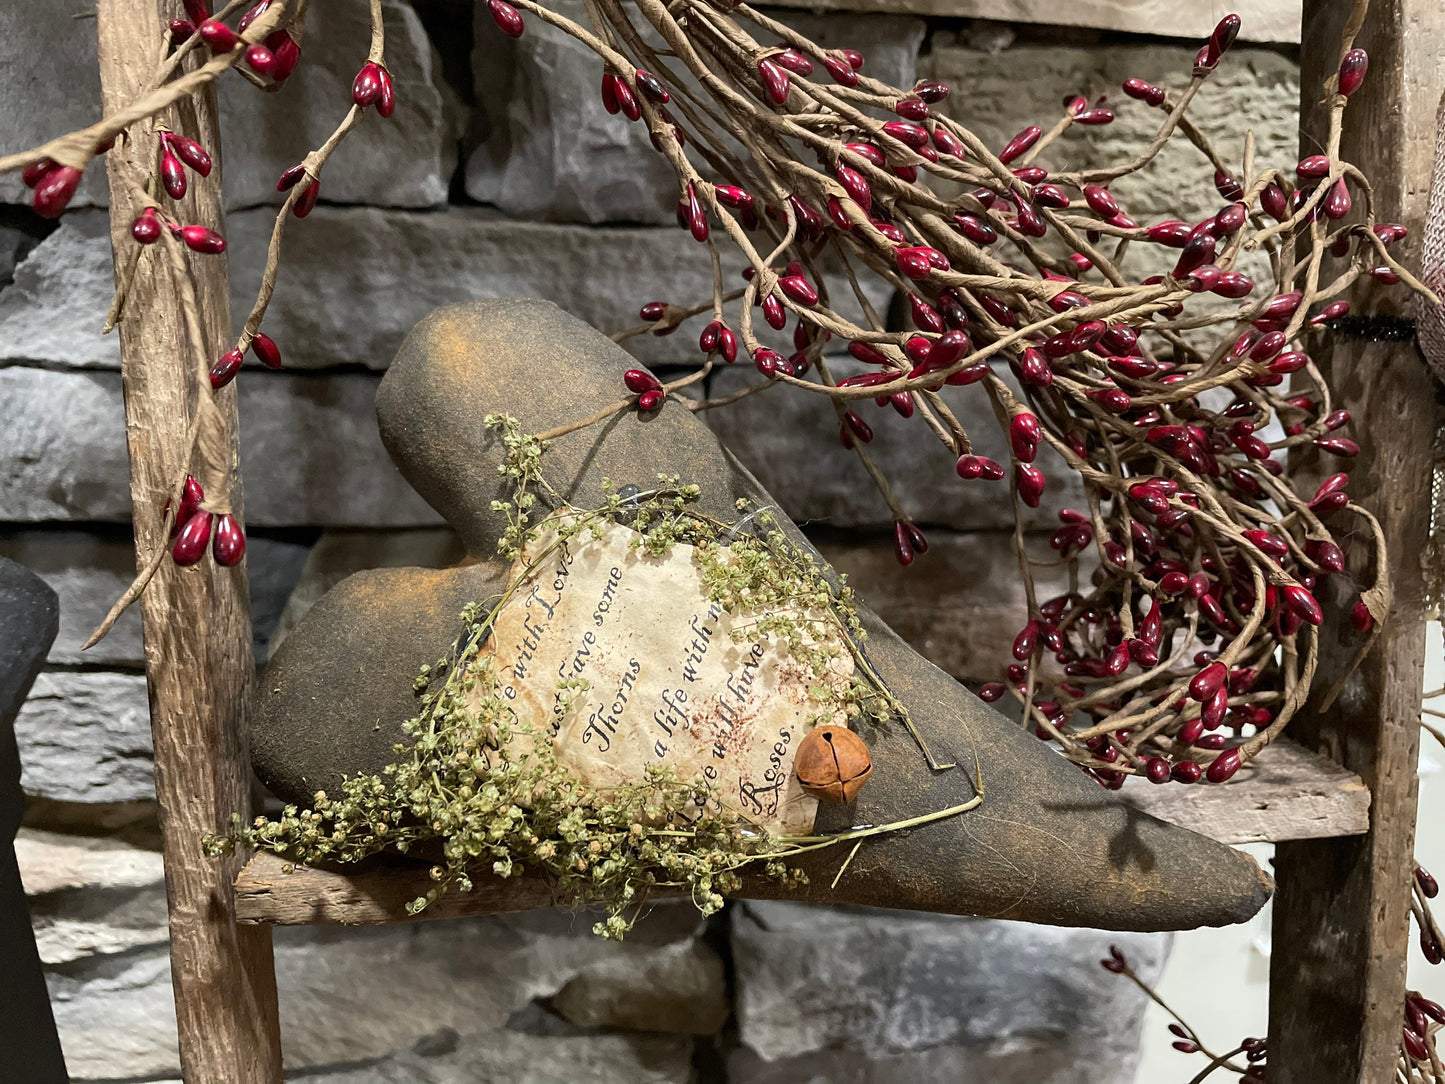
1195, 553
264, 44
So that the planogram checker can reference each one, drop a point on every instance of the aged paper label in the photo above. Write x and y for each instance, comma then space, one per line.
666, 681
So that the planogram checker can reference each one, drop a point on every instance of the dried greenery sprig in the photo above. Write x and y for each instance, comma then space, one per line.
476, 786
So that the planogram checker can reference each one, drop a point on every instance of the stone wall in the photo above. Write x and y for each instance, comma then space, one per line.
500, 176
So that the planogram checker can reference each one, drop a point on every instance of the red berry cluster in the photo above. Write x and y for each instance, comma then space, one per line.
194, 528
270, 61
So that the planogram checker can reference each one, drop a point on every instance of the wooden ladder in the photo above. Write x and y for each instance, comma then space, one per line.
1341, 920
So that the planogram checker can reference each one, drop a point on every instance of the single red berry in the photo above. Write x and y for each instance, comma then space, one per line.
254, 13
386, 103
1340, 446
366, 87
1360, 617
306, 201
1352, 71
146, 228
173, 176
508, 19
911, 108
198, 11
843, 73
266, 350
798, 289
1030, 482
219, 38
931, 90
793, 60
229, 544
203, 239
191, 153
651, 400
225, 368
651, 87
53, 191
191, 497
190, 544
1186, 771
1198, 251
261, 60
975, 229
290, 176
1171, 232
36, 171
1223, 766
1020, 143
861, 429
640, 380
901, 549
286, 54
775, 81
1337, 200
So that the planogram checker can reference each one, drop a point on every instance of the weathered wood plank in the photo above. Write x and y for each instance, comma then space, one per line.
1341, 917
1264, 20
266, 894
1287, 793
199, 663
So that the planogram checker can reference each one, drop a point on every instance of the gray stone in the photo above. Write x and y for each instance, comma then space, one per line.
354, 282
879, 986
85, 737
310, 453
681, 989
958, 605
91, 896
350, 997
1264, 20
62, 456
90, 570
555, 154
827, 485
504, 1057
48, 61
337, 554
56, 306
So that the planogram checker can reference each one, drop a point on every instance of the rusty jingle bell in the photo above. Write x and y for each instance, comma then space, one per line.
832, 764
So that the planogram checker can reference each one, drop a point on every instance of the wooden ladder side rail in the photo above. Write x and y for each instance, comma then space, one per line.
1286, 793
1342, 910
199, 664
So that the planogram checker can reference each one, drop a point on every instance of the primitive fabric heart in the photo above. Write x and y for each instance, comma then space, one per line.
1047, 844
